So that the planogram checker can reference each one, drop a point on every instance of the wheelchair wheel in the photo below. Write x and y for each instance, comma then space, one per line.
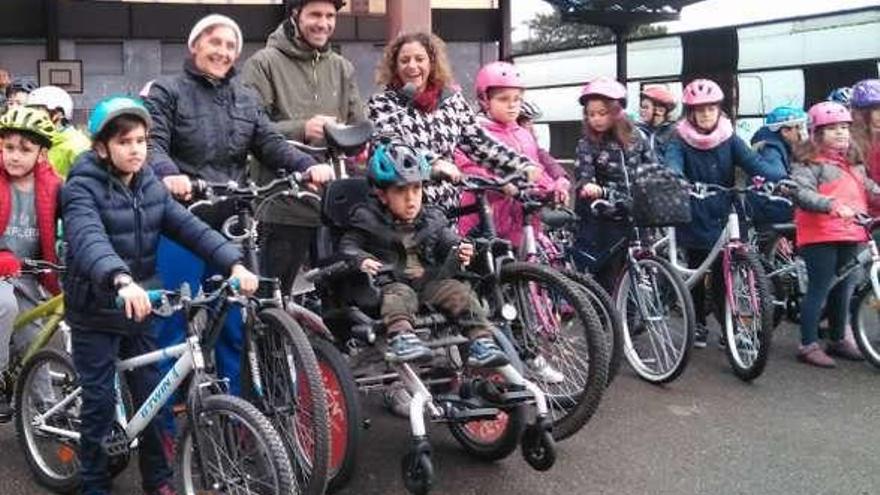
283, 380
556, 322
343, 409
493, 439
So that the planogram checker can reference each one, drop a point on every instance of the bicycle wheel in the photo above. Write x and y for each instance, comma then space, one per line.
343, 408
608, 317
866, 324
779, 258
557, 322
290, 393
48, 377
659, 322
748, 315
237, 451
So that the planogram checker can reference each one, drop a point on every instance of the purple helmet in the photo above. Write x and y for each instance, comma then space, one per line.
866, 94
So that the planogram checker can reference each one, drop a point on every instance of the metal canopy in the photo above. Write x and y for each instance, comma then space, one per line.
619, 13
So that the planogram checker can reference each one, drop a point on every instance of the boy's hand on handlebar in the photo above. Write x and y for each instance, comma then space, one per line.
465, 253
179, 186
371, 266
591, 191
446, 169
137, 302
319, 175
248, 282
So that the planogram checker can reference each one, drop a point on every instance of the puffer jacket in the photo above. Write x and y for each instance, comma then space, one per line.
776, 154
112, 228
295, 83
507, 212
47, 185
823, 183
373, 233
452, 125
713, 166
656, 137
205, 128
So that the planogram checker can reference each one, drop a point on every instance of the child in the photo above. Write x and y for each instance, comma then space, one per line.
68, 142
783, 130
499, 93
705, 149
655, 114
394, 229
528, 114
606, 155
114, 211
833, 188
866, 129
28, 214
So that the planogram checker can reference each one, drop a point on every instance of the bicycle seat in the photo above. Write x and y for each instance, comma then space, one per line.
783, 228
349, 139
558, 218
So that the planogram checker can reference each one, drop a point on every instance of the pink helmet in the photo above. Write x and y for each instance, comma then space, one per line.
496, 75
702, 92
828, 113
661, 95
604, 87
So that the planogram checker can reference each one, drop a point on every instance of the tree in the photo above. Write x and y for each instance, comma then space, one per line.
548, 32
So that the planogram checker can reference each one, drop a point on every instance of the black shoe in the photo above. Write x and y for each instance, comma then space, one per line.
701, 336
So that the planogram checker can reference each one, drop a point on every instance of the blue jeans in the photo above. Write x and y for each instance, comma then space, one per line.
823, 260
94, 356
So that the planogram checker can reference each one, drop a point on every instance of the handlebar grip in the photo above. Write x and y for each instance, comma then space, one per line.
156, 298
235, 284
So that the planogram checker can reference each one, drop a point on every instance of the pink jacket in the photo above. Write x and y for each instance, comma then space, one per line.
507, 212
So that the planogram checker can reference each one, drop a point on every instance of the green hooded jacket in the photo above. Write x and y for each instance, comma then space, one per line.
297, 82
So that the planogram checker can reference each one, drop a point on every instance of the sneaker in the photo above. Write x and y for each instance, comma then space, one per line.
845, 349
542, 370
722, 341
701, 336
165, 489
406, 347
6, 411
397, 399
485, 353
814, 355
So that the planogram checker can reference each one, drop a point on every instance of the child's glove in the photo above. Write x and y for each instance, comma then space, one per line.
10, 266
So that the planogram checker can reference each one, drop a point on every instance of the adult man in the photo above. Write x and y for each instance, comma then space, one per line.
303, 84
68, 142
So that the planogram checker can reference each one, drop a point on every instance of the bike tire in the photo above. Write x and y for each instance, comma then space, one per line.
603, 304
343, 406
246, 419
784, 287
569, 409
644, 367
866, 324
67, 450
745, 366
273, 343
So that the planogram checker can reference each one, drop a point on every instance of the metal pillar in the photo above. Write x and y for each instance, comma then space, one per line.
505, 45
408, 16
52, 39
620, 34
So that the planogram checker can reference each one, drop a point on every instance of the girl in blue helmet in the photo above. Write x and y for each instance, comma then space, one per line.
114, 210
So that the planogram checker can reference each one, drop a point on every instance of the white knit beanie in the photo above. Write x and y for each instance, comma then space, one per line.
215, 20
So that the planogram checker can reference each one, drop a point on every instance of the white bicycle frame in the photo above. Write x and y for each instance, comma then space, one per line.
189, 357
692, 276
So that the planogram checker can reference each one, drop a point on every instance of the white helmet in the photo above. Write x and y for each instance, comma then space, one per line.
52, 97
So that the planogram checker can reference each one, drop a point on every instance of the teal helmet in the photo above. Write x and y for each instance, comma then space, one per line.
395, 163
109, 108
785, 117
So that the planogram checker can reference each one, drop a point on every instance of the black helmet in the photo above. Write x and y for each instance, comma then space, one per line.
395, 163
20, 86
298, 4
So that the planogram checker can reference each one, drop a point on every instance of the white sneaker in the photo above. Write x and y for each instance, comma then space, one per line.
544, 372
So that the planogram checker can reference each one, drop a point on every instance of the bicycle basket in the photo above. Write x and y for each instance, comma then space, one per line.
660, 197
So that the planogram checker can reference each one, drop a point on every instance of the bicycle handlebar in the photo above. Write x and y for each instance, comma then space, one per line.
216, 192
166, 302
37, 267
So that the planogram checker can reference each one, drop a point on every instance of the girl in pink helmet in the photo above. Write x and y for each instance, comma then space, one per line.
655, 117
706, 149
833, 189
606, 156
499, 91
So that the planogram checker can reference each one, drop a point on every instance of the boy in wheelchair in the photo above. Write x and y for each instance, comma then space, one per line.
392, 231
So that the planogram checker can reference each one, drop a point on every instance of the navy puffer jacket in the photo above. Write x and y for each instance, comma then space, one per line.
205, 128
776, 154
111, 228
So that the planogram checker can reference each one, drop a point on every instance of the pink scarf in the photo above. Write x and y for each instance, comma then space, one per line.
722, 132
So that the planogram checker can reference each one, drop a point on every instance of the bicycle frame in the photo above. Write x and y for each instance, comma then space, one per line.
53, 312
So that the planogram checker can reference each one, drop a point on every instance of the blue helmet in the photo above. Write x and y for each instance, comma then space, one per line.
785, 117
395, 163
114, 106
841, 95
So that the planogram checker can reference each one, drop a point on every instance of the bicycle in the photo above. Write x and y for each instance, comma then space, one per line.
279, 368
226, 444
49, 313
548, 325
747, 307
655, 307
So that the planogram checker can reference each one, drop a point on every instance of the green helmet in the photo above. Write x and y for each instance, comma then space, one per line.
34, 122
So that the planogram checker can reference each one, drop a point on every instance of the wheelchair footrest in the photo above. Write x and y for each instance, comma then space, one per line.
516, 396
465, 411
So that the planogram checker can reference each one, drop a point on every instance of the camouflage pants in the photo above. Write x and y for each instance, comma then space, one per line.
453, 298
